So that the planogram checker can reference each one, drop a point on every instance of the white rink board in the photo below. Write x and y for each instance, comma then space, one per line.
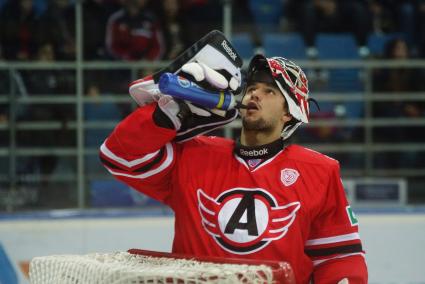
395, 247
24, 240
394, 242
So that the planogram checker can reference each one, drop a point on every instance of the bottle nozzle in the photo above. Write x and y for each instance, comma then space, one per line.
239, 105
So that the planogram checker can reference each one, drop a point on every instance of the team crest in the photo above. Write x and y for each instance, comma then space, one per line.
245, 220
289, 176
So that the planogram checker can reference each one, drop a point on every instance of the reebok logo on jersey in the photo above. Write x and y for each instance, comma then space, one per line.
253, 153
289, 176
229, 50
245, 220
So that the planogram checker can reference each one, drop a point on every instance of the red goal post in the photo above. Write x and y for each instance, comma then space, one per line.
143, 266
282, 271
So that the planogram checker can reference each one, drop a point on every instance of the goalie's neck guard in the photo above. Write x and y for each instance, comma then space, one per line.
259, 152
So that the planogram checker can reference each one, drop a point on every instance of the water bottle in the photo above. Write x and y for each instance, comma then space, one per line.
179, 87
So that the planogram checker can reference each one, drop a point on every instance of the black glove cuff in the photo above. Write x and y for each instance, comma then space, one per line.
161, 119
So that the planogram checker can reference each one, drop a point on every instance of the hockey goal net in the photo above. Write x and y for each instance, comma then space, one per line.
141, 266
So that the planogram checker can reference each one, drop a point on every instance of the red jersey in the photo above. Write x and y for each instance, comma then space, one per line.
134, 37
290, 206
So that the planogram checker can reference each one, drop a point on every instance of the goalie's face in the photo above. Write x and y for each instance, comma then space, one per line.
267, 109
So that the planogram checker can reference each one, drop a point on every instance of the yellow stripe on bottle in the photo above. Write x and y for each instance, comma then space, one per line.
221, 101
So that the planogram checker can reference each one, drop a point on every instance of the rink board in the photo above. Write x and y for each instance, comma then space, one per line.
393, 240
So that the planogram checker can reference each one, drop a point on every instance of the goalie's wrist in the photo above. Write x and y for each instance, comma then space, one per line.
161, 119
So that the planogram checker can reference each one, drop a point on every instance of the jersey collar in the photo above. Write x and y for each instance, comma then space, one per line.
262, 152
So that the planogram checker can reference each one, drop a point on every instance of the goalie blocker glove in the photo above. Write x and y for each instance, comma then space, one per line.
213, 64
188, 119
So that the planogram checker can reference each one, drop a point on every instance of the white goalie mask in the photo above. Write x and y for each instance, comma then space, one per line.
290, 80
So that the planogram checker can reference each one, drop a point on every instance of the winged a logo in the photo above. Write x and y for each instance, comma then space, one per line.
245, 220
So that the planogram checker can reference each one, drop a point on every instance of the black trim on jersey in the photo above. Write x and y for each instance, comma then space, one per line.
109, 164
242, 192
161, 119
144, 168
334, 250
241, 249
259, 152
152, 163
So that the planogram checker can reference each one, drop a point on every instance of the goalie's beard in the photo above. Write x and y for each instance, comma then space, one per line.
260, 125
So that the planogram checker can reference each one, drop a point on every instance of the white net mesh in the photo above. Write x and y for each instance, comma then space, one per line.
123, 267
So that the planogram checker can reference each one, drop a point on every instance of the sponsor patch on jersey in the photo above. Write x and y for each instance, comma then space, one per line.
351, 216
245, 220
289, 176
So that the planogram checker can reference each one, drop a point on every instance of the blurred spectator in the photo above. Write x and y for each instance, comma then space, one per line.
325, 133
98, 110
383, 20
95, 17
42, 82
173, 23
398, 80
53, 83
406, 18
393, 16
101, 111
3, 114
133, 32
57, 28
334, 16
18, 30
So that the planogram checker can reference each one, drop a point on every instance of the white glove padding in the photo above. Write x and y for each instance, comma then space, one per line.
189, 122
216, 65
201, 72
170, 108
344, 281
145, 91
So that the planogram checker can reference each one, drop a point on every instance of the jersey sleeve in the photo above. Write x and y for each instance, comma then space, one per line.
334, 243
141, 154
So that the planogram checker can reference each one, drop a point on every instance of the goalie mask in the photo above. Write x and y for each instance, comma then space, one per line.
290, 80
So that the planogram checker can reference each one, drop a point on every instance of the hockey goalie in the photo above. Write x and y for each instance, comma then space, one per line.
259, 197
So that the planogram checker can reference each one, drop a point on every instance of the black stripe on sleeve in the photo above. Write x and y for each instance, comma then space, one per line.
109, 164
334, 250
151, 164
144, 168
